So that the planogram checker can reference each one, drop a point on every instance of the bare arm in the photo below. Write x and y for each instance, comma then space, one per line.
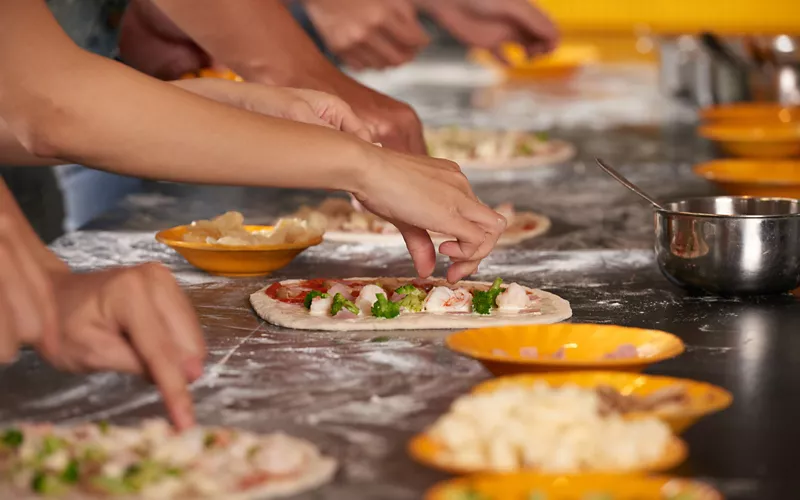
260, 40
14, 153
62, 102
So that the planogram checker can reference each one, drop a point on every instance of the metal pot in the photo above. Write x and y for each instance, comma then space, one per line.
707, 70
730, 245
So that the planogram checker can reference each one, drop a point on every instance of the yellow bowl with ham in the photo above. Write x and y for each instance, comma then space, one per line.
234, 260
565, 347
694, 401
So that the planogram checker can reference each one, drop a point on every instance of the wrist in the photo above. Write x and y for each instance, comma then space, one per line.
360, 163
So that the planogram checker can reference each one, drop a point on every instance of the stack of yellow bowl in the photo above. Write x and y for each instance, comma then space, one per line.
577, 354
763, 139
567, 59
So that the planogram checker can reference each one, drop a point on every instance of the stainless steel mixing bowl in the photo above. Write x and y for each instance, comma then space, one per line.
730, 245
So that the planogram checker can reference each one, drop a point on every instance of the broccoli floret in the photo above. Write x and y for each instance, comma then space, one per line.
413, 300
340, 302
71, 473
12, 438
47, 484
310, 296
382, 308
410, 290
483, 302
543, 136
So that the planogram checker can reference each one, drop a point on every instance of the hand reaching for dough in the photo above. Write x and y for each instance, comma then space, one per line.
302, 105
418, 193
489, 23
368, 33
129, 319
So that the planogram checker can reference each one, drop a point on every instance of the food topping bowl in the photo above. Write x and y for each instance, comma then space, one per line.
755, 141
678, 402
767, 178
234, 260
532, 486
564, 347
756, 113
730, 245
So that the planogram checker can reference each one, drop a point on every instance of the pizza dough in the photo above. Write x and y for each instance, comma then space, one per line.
549, 308
483, 149
345, 224
152, 461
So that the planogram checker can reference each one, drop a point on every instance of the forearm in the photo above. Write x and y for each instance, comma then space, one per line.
65, 103
21, 230
12, 153
258, 39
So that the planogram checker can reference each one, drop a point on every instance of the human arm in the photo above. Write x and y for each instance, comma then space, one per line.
12, 152
301, 105
488, 24
259, 40
62, 102
368, 33
95, 321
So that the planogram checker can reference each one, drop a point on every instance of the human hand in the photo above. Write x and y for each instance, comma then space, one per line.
129, 319
393, 123
419, 194
489, 23
301, 105
151, 43
27, 300
368, 33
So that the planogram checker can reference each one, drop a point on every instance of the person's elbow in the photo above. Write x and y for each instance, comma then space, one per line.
42, 129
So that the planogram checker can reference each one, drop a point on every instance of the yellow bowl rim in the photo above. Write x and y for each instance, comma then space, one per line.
441, 487
725, 112
161, 238
676, 453
706, 171
726, 132
725, 398
664, 355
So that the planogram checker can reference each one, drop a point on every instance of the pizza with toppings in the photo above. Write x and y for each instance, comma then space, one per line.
101, 461
347, 221
404, 304
496, 149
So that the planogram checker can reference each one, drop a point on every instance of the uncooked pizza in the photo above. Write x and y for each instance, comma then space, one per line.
153, 461
346, 221
404, 304
496, 149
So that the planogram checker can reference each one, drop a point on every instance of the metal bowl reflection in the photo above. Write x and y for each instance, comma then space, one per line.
730, 245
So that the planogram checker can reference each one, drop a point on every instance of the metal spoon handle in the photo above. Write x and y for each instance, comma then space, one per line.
625, 182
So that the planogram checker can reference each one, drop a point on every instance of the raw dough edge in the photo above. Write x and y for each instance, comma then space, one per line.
506, 239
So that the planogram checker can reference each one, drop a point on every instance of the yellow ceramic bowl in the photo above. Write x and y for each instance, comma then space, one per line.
499, 348
755, 141
233, 261
705, 399
563, 62
751, 113
525, 485
764, 178
428, 452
